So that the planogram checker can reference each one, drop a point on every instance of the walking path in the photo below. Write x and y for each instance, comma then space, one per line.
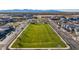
66, 37
6, 42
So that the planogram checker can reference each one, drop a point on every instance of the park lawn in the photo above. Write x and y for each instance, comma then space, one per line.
38, 36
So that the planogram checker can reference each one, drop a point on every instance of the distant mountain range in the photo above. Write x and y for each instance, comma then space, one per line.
39, 11
29, 10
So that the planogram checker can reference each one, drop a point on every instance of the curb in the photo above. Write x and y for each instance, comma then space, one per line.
17, 37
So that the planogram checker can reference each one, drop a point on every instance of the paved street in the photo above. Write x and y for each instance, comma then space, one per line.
6, 42
74, 45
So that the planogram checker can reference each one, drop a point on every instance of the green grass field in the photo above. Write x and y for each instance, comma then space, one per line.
38, 36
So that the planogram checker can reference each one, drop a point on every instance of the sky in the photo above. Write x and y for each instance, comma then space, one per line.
39, 4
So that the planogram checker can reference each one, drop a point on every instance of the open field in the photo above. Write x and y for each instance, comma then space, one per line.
38, 36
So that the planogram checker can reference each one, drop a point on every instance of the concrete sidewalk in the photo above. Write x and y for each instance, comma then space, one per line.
7, 41
68, 39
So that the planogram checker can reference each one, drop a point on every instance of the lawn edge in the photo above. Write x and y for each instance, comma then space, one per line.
60, 38
17, 37
10, 46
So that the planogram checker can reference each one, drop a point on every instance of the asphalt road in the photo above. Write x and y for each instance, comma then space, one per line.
74, 45
7, 41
